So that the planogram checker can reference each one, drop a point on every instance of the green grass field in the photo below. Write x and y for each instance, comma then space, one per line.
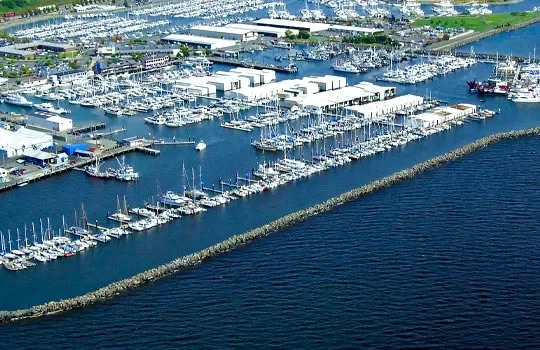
478, 23
23, 5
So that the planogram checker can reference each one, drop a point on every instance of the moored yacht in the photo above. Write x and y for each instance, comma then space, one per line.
18, 100
48, 107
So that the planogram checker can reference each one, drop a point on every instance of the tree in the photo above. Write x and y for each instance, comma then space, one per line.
74, 64
26, 71
446, 36
184, 50
303, 34
126, 4
208, 52
289, 34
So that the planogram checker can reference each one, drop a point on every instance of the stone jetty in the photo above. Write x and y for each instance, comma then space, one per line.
235, 241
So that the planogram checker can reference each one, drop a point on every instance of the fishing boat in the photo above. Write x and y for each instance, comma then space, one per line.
125, 172
200, 146
93, 170
493, 86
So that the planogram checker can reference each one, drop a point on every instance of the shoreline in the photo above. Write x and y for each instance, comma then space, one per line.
239, 240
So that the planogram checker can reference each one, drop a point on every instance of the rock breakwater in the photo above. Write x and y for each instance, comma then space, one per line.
235, 241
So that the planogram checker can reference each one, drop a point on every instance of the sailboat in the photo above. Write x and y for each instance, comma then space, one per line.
121, 213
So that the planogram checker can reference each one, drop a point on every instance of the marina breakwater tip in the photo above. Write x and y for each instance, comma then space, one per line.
235, 241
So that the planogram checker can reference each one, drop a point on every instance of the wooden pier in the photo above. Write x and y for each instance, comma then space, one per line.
81, 163
257, 65
147, 150
89, 127
481, 57
174, 142
99, 135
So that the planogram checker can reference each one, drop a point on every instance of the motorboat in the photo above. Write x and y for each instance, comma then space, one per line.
200, 146
18, 100
49, 108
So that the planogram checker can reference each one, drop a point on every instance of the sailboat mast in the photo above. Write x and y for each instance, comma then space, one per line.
25, 237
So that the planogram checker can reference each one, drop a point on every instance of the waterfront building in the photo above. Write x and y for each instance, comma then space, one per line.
268, 31
171, 50
49, 121
28, 50
311, 27
39, 158
199, 42
441, 115
325, 101
380, 108
155, 61
225, 33
14, 143
69, 76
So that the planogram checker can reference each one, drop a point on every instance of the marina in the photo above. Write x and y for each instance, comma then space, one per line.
185, 153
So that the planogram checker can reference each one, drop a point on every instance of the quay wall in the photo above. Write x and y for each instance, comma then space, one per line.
239, 240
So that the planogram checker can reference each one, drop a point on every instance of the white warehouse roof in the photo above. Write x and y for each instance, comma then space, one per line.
352, 29
226, 30
200, 40
285, 23
278, 32
379, 108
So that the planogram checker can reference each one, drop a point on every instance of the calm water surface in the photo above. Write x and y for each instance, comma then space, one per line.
448, 259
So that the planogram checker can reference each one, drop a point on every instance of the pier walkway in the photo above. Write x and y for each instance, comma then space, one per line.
89, 127
81, 162
481, 57
258, 65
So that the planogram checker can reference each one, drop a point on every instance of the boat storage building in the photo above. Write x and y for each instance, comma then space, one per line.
311, 27
14, 143
49, 121
441, 115
224, 33
269, 31
378, 109
197, 41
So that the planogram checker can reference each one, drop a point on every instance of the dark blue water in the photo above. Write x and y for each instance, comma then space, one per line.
448, 259
524, 42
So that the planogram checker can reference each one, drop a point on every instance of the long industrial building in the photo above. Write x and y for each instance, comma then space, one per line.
325, 101
225, 33
14, 143
440, 115
49, 121
196, 41
311, 27
273, 32
380, 108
